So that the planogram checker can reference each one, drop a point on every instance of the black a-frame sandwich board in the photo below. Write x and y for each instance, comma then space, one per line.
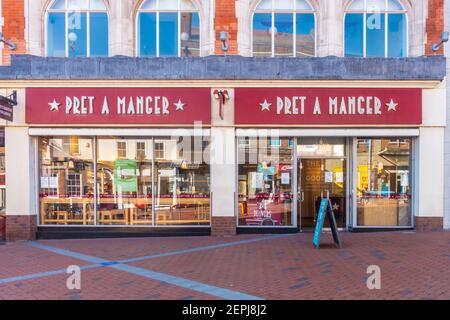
326, 209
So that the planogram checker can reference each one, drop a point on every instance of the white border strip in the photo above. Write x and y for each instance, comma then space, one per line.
389, 132
135, 132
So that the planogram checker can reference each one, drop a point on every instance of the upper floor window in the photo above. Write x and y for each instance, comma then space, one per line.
77, 28
376, 28
284, 28
168, 28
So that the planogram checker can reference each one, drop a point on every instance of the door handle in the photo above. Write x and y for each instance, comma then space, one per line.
301, 196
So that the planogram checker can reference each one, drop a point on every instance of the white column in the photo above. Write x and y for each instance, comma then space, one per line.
20, 182
330, 28
121, 28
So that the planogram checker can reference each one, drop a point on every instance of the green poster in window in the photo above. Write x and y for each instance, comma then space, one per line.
125, 176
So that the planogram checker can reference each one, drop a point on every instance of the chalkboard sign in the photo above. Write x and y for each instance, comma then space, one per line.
326, 209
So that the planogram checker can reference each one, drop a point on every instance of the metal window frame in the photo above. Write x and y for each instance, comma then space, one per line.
385, 12
157, 12
294, 12
66, 12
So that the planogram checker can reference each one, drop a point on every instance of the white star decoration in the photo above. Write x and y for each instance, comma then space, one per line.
265, 106
392, 106
179, 105
335, 206
54, 106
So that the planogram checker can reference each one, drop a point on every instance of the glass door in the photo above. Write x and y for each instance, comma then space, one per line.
321, 174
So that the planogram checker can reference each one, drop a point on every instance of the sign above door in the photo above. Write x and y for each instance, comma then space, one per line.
109, 106
328, 106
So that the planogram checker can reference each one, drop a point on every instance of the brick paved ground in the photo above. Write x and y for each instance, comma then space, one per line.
413, 266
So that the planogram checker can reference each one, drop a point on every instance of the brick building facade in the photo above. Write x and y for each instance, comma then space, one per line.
300, 45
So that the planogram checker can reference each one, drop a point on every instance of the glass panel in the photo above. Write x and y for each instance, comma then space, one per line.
383, 182
394, 5
375, 5
147, 34
321, 147
168, 4
396, 35
58, 5
190, 34
97, 5
283, 5
56, 35
149, 5
322, 178
66, 178
182, 181
168, 34
357, 5
264, 5
77, 34
187, 5
78, 4
375, 34
284, 34
124, 181
99, 34
302, 5
262, 39
354, 36
265, 182
305, 39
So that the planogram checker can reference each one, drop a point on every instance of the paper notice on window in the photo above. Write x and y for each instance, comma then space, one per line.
257, 179
339, 177
285, 178
44, 182
328, 177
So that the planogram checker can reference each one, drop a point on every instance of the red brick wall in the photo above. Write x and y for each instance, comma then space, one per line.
225, 20
21, 227
13, 12
434, 26
223, 226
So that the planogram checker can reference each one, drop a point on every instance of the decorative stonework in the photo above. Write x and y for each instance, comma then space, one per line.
424, 224
223, 226
21, 227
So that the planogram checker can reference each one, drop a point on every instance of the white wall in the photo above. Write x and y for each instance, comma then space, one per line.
447, 129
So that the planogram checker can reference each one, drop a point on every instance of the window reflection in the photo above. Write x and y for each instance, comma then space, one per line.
124, 180
66, 184
383, 182
376, 25
284, 28
265, 182
179, 29
182, 181
71, 23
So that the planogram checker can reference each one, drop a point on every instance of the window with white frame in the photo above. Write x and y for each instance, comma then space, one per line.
376, 28
168, 28
121, 150
284, 28
77, 28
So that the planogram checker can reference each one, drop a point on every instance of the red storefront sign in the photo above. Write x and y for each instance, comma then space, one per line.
171, 106
333, 106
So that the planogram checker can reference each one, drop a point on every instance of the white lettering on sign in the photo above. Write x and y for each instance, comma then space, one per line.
296, 105
85, 105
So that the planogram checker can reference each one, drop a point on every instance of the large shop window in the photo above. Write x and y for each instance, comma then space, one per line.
77, 28
383, 182
265, 181
139, 181
375, 28
284, 28
168, 28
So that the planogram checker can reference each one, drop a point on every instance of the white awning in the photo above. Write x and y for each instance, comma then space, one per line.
132, 132
333, 132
